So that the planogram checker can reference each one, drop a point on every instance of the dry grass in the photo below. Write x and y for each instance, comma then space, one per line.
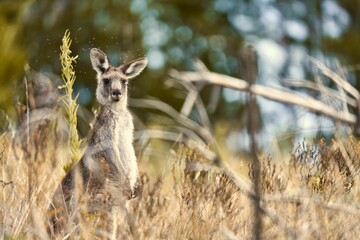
315, 195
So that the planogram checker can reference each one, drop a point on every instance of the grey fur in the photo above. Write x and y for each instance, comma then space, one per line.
108, 170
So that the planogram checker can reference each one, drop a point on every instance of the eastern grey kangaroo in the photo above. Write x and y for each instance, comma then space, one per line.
108, 172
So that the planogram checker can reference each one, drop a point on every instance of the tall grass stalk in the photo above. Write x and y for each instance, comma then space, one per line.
71, 107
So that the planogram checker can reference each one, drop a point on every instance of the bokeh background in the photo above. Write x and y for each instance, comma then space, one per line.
171, 34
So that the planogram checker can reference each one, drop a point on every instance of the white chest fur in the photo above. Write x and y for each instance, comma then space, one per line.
123, 145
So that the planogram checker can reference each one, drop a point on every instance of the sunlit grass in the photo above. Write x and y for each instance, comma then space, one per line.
313, 195
71, 107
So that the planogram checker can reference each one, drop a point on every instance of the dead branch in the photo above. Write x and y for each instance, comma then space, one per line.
3, 183
182, 119
316, 87
282, 95
337, 79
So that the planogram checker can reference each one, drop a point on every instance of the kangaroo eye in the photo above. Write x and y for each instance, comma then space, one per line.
123, 81
106, 81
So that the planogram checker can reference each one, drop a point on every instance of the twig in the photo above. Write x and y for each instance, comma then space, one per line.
5, 183
174, 136
228, 233
315, 86
275, 219
336, 78
344, 153
343, 94
193, 91
193, 99
159, 134
189, 101
27, 112
200, 66
211, 77
30, 163
246, 188
159, 105
282, 95
299, 200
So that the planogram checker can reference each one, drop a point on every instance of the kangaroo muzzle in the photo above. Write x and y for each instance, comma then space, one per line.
115, 95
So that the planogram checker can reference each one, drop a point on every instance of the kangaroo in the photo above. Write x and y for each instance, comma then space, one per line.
108, 171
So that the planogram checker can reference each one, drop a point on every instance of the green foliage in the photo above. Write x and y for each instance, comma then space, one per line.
71, 107
12, 51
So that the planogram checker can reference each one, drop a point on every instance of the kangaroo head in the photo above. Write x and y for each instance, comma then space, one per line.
112, 81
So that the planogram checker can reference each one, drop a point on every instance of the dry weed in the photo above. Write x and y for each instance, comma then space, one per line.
313, 196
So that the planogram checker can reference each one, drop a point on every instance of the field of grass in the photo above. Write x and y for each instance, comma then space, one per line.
313, 195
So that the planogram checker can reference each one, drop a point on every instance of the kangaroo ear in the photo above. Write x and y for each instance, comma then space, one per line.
134, 68
99, 60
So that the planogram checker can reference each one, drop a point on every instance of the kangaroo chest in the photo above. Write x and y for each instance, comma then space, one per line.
113, 130
123, 132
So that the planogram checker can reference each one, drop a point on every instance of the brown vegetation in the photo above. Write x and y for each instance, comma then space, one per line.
315, 195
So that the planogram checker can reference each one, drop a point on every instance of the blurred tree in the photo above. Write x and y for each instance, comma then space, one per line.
12, 50
346, 46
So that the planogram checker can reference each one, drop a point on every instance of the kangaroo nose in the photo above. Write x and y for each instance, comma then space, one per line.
116, 93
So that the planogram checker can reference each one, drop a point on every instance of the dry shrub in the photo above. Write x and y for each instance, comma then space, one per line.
315, 195
199, 204
324, 168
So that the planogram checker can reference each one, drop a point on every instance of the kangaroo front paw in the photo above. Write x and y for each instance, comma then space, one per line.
136, 191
